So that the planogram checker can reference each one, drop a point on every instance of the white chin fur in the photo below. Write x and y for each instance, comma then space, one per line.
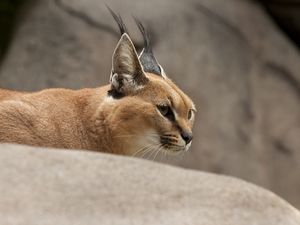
187, 147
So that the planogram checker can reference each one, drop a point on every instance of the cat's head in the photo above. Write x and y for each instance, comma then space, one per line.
150, 113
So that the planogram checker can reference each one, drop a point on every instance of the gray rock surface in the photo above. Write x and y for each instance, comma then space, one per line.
287, 15
242, 73
50, 186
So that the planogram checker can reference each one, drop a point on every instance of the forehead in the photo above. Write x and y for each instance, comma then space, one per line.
166, 89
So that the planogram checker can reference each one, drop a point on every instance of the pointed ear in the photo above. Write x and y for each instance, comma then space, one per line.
127, 73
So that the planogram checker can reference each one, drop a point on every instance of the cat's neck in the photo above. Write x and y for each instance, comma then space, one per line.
96, 109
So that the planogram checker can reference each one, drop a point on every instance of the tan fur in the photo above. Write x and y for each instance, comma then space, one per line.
91, 119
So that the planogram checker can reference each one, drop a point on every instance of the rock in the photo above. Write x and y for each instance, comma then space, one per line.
40, 186
241, 71
287, 15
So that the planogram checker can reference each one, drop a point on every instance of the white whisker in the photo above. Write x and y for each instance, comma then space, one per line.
141, 149
153, 150
159, 149
148, 150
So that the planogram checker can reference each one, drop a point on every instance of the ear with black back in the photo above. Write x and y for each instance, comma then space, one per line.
147, 58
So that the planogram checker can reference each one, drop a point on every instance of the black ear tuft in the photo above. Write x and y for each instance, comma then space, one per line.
119, 20
145, 34
147, 57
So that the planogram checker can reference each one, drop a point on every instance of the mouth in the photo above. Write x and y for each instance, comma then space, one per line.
171, 145
153, 145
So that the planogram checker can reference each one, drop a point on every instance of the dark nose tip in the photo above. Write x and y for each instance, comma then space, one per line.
187, 137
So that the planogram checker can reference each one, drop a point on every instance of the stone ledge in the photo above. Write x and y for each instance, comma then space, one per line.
50, 186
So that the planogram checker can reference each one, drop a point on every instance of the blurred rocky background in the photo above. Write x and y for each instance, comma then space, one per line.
286, 14
238, 60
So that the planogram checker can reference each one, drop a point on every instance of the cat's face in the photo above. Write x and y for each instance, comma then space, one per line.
172, 114
149, 113
158, 118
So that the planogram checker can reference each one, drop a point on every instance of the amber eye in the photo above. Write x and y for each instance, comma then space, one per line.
166, 111
190, 114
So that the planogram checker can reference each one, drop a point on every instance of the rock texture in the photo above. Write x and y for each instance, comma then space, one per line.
287, 15
242, 73
50, 186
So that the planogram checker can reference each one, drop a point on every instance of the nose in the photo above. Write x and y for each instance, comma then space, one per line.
187, 136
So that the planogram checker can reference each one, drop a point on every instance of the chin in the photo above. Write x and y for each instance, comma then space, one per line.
187, 147
176, 150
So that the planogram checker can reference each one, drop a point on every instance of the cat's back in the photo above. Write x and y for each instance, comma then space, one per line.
54, 97
8, 94
51, 117
12, 101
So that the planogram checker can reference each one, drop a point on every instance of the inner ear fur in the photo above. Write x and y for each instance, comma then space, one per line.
127, 72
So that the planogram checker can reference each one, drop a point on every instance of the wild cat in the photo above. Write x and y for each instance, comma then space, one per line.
141, 110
